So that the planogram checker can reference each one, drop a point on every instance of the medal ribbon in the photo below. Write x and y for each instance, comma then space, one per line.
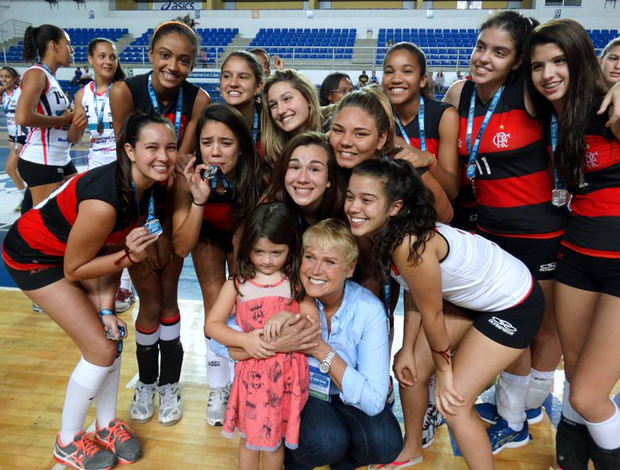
255, 127
98, 114
151, 208
553, 128
177, 117
473, 150
421, 130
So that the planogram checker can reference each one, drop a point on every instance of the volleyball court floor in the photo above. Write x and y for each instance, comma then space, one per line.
37, 359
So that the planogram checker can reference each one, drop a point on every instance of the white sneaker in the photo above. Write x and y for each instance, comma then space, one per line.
170, 404
142, 406
216, 408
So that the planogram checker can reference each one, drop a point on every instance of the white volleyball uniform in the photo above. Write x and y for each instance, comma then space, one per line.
9, 103
102, 145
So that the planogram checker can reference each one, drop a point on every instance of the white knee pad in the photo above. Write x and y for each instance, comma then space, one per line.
510, 392
540, 386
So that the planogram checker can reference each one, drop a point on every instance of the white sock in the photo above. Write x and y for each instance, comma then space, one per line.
510, 393
84, 384
607, 434
218, 368
108, 395
567, 409
540, 386
125, 280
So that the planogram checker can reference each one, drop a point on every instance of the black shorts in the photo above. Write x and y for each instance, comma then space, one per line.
590, 273
516, 326
35, 278
538, 254
37, 174
20, 139
217, 237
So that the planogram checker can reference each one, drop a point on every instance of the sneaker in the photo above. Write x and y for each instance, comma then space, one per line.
36, 308
488, 413
120, 439
170, 404
142, 406
432, 420
216, 408
503, 437
124, 300
82, 453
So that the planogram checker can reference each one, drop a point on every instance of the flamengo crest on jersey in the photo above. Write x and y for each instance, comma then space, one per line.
102, 145
48, 145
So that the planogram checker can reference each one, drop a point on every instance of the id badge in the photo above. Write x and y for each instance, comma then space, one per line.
154, 227
559, 197
210, 172
471, 171
319, 383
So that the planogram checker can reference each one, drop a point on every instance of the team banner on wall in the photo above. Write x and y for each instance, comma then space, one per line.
177, 6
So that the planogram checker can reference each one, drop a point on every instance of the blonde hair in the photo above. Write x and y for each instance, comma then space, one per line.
332, 233
273, 138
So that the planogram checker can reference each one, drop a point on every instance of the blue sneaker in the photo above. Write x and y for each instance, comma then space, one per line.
502, 437
488, 413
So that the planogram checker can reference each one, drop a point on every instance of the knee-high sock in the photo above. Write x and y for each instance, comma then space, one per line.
108, 395
510, 393
171, 350
147, 353
84, 385
607, 433
540, 386
125, 280
567, 409
218, 368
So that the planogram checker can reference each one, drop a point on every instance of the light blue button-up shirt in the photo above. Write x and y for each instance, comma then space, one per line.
359, 335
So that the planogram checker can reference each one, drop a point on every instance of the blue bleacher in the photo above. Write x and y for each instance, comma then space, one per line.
315, 43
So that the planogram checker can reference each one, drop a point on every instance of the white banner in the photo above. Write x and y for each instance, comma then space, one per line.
177, 6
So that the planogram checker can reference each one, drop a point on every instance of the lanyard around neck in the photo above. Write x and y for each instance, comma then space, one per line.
177, 117
99, 113
421, 130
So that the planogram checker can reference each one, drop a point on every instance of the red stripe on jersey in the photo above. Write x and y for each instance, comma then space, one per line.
67, 201
219, 215
601, 203
590, 252
22, 266
514, 192
535, 236
32, 229
432, 145
601, 153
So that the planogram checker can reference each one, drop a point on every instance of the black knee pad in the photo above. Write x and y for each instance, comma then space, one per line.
148, 362
604, 459
572, 445
171, 361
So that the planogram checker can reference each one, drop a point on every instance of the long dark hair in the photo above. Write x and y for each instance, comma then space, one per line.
518, 26
36, 40
420, 57
416, 218
331, 82
586, 86
179, 27
251, 175
130, 134
274, 221
333, 199
251, 60
13, 72
119, 74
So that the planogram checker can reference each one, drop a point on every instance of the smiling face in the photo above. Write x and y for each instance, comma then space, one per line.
238, 83
173, 59
402, 78
289, 109
366, 205
550, 74
354, 136
323, 272
493, 58
154, 155
219, 146
104, 60
306, 178
611, 65
267, 257
7, 79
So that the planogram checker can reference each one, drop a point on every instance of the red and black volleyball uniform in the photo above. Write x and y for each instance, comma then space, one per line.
589, 257
217, 220
433, 112
514, 181
35, 246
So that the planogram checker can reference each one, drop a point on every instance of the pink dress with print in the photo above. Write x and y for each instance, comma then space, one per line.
267, 395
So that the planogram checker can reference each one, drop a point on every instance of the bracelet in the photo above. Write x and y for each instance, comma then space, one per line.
200, 205
445, 353
106, 311
126, 255
434, 164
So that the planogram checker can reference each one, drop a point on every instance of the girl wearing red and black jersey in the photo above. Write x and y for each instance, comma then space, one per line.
207, 213
567, 88
165, 90
64, 253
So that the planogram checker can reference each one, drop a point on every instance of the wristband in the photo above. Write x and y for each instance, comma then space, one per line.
126, 255
106, 311
200, 205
